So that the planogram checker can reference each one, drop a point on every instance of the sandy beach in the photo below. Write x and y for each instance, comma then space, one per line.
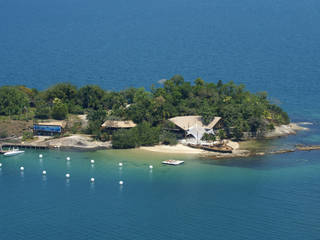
183, 149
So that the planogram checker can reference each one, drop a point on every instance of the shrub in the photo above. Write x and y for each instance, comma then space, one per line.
27, 136
168, 138
124, 138
4, 134
142, 135
208, 137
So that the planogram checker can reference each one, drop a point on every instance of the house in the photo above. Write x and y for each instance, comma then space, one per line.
116, 124
49, 128
193, 125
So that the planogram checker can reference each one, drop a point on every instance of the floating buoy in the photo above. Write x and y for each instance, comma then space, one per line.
0, 164
67, 175
120, 164
150, 166
92, 161
21, 168
44, 172
92, 179
121, 182
40, 155
68, 158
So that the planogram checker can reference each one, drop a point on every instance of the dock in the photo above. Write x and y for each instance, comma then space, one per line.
22, 145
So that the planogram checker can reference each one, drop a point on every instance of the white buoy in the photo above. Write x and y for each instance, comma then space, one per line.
120, 164
40, 155
92, 161
92, 179
21, 168
44, 172
68, 158
68, 175
150, 166
121, 182
0, 164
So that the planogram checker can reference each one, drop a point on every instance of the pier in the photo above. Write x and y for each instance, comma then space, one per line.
22, 145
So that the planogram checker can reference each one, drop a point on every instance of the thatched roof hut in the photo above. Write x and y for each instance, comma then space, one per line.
53, 123
118, 124
186, 122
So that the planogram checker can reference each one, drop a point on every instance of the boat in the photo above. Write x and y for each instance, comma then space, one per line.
173, 162
13, 152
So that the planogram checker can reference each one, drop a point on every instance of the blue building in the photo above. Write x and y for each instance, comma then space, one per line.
49, 128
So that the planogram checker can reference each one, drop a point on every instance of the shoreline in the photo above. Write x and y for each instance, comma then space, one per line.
82, 142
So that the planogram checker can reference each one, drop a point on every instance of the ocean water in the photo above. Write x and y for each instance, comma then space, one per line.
263, 198
269, 46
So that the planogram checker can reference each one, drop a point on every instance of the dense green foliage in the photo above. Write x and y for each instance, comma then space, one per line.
142, 135
12, 101
241, 111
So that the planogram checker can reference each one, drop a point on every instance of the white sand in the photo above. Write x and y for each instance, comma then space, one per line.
179, 148
183, 149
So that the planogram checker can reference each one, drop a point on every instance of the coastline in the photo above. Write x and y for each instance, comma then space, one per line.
82, 142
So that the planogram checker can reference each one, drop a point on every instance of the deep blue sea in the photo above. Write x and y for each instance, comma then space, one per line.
269, 46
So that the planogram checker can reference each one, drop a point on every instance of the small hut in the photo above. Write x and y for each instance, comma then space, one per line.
116, 124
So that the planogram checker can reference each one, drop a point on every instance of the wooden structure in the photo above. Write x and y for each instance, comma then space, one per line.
21, 145
49, 128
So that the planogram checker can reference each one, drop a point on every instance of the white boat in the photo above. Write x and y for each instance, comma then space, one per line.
173, 162
14, 151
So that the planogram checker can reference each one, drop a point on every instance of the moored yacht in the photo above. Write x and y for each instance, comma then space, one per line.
14, 151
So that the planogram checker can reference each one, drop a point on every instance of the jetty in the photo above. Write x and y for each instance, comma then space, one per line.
22, 145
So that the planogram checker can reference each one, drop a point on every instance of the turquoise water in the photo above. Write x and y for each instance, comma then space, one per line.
263, 198
267, 45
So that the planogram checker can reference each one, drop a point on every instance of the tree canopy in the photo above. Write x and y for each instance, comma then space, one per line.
241, 111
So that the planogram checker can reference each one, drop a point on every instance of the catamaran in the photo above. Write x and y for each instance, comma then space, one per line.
14, 151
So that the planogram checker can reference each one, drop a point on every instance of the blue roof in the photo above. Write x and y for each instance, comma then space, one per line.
45, 128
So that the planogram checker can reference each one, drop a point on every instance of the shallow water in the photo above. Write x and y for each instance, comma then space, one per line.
267, 45
261, 198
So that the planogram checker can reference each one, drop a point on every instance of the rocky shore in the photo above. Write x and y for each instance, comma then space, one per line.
285, 130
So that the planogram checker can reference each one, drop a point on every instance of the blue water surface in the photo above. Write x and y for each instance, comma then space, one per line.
269, 46
263, 198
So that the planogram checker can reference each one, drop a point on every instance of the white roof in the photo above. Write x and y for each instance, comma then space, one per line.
186, 122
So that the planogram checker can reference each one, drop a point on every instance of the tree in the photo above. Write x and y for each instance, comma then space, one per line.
222, 134
42, 111
91, 96
12, 101
124, 138
66, 92
59, 110
96, 118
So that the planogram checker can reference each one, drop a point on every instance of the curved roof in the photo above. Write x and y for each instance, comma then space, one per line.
186, 122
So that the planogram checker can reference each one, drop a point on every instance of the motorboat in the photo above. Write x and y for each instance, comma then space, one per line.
13, 152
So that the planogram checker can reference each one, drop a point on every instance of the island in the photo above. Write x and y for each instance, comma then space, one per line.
176, 116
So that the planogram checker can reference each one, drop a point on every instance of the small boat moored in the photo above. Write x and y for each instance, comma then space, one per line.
173, 162
13, 152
